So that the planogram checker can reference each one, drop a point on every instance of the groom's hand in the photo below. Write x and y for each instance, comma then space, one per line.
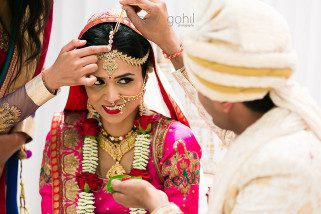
154, 26
136, 193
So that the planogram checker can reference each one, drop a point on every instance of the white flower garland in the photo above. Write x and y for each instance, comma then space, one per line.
141, 156
86, 200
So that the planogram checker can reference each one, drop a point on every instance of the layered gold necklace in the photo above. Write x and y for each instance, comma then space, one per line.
117, 151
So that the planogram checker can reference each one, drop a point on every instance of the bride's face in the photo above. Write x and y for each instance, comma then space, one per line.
106, 94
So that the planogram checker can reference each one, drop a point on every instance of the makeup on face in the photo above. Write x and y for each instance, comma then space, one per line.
117, 96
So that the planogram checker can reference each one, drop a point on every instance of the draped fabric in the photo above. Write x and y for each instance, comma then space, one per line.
9, 179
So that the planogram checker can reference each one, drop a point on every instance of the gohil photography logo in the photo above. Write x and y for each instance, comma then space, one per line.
183, 20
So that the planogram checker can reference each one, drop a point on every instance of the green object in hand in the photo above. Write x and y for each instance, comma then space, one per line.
121, 178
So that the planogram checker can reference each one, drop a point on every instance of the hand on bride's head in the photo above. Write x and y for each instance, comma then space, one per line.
74, 66
154, 25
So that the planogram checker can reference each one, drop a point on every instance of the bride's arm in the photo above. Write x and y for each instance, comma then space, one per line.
23, 102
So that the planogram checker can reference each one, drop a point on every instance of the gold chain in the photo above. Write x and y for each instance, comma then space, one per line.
115, 139
117, 151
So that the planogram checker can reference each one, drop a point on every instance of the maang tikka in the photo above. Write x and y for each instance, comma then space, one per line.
109, 58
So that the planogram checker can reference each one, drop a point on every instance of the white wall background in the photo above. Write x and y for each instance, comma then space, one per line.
71, 15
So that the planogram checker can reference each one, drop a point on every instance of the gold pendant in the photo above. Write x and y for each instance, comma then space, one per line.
116, 169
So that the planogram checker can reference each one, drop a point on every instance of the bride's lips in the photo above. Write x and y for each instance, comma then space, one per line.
111, 110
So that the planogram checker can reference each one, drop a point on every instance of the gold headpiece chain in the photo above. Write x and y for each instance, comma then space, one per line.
109, 58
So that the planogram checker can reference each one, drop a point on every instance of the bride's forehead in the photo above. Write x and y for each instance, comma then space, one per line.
122, 67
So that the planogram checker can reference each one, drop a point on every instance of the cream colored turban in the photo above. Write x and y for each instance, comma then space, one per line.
241, 51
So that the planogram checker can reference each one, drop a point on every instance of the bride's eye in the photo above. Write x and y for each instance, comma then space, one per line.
99, 81
124, 80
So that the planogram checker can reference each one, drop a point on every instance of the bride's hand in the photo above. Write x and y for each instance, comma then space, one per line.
154, 26
73, 66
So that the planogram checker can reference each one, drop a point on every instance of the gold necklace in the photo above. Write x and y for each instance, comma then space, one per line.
116, 151
115, 139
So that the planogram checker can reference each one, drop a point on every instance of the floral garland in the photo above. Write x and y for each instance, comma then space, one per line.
89, 182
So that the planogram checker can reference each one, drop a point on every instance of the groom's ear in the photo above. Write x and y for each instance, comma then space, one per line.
226, 106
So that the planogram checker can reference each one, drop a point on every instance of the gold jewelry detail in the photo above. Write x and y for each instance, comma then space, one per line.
135, 97
127, 99
141, 107
110, 64
90, 107
116, 169
23, 207
118, 21
115, 139
92, 113
116, 151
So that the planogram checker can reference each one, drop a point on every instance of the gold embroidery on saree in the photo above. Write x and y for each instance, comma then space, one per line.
72, 118
70, 163
9, 116
70, 137
183, 169
71, 189
71, 209
158, 142
45, 172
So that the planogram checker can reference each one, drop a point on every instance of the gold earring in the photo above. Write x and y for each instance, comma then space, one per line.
141, 106
92, 113
142, 109
90, 107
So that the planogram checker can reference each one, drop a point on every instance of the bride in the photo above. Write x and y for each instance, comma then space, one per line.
105, 131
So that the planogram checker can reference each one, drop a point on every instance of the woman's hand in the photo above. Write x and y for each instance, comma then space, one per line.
73, 66
9, 144
138, 194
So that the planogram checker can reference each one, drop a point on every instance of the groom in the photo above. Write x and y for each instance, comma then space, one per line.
240, 60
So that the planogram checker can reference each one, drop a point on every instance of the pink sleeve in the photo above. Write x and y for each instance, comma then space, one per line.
45, 185
180, 167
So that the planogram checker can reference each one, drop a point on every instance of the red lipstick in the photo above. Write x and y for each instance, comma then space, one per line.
111, 111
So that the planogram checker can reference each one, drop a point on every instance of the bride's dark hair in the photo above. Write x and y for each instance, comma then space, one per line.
125, 40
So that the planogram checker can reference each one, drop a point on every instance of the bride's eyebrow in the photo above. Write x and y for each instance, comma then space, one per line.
98, 77
125, 75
